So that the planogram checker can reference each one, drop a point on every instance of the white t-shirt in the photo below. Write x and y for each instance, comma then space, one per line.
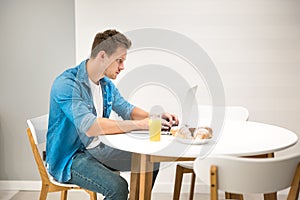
98, 103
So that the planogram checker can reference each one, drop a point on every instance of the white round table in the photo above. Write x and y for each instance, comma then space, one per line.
238, 138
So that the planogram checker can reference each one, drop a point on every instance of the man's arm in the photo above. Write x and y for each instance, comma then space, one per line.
138, 114
103, 126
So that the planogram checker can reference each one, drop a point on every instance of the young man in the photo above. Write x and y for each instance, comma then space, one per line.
81, 101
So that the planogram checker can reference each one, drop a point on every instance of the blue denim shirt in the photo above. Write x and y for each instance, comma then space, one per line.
72, 113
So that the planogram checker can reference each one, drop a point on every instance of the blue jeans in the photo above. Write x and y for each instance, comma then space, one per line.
93, 170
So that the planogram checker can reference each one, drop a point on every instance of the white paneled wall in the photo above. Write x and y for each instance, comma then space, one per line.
255, 45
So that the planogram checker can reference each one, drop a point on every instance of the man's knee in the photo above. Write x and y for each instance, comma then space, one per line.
118, 189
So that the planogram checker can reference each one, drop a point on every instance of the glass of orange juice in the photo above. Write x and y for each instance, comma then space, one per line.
155, 127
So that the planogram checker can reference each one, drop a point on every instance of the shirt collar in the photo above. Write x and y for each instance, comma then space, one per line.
82, 73
83, 76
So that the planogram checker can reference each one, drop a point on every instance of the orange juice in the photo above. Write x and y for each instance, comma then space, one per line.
155, 129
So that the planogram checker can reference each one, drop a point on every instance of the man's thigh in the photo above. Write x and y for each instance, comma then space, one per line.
113, 158
89, 173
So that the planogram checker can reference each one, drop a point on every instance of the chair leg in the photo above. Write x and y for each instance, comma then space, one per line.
44, 192
93, 196
233, 196
178, 182
270, 196
294, 191
64, 195
214, 183
192, 186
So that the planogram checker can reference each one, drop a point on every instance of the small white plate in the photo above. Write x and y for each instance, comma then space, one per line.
147, 132
192, 141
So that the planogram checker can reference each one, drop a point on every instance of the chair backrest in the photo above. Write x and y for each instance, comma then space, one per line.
249, 175
37, 136
231, 112
236, 113
38, 127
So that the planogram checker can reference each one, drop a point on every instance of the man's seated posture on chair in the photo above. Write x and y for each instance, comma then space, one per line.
81, 101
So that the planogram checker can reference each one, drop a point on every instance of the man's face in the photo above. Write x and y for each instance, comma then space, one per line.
117, 63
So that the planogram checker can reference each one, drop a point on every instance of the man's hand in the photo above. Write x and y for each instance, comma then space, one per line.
169, 120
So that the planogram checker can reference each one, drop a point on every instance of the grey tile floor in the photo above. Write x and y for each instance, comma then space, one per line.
79, 195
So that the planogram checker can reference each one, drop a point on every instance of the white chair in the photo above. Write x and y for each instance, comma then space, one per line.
37, 137
205, 113
250, 175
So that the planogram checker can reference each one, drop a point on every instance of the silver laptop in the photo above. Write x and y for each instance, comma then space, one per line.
188, 112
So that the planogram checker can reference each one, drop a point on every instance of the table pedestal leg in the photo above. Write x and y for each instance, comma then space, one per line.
146, 178
141, 177
135, 177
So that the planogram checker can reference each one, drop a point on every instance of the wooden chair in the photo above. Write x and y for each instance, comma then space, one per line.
205, 112
37, 137
250, 175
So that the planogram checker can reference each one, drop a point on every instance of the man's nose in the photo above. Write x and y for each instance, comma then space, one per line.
121, 67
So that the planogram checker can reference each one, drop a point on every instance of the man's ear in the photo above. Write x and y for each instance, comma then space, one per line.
101, 55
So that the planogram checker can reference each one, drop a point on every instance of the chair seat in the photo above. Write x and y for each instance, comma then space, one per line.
250, 175
63, 184
187, 165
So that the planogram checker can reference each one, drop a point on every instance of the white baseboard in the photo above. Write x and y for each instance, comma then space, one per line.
36, 186
158, 188
20, 185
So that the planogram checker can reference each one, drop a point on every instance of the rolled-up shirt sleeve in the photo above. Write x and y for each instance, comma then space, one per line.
122, 107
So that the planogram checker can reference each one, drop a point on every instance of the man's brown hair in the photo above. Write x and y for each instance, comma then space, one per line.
109, 41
